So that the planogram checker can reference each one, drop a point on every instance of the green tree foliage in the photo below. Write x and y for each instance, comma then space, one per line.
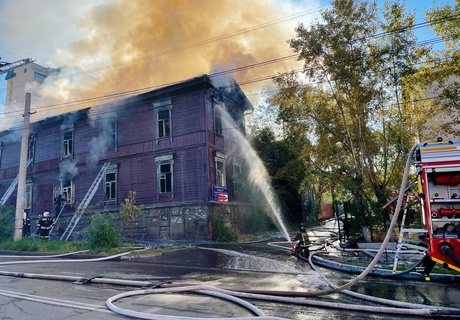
6, 222
130, 211
354, 114
282, 158
102, 234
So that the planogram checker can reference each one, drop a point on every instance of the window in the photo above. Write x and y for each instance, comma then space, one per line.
28, 195
31, 147
39, 77
111, 186
67, 187
217, 120
67, 144
165, 173
220, 169
164, 125
113, 135
163, 118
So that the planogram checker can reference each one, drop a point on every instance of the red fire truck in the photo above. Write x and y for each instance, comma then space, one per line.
438, 173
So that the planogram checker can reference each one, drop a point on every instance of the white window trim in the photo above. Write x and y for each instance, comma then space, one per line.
72, 192
220, 157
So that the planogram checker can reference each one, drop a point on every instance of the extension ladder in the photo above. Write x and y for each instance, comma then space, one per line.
12, 186
84, 203
403, 241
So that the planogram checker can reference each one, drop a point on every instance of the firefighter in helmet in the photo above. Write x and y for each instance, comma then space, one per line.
44, 226
303, 242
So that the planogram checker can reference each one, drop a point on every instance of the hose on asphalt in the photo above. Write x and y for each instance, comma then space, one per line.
273, 295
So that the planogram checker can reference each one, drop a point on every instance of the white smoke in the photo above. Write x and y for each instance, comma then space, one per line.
68, 170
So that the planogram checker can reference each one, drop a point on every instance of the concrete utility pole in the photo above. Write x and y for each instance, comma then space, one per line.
20, 198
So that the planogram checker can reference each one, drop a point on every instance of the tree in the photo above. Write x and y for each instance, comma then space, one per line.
130, 211
282, 158
354, 111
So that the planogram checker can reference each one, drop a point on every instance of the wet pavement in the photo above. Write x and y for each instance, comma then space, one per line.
245, 266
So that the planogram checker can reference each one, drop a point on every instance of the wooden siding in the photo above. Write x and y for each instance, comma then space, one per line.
192, 146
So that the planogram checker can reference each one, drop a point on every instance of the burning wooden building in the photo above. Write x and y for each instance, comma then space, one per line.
172, 146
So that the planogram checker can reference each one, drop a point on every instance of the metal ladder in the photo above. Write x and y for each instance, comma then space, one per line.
402, 241
84, 203
12, 186
55, 221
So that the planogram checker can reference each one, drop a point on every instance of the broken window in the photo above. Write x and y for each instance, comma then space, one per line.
67, 144
111, 186
220, 160
165, 173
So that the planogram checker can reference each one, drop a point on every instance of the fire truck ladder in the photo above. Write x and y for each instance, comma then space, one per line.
11, 188
403, 240
84, 203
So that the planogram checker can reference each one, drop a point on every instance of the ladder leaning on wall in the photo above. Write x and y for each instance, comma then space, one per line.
84, 203
12, 186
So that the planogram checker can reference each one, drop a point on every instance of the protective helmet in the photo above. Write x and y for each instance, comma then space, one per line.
46, 214
302, 228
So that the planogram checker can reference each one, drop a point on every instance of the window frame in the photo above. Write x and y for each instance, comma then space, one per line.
67, 144
112, 184
164, 105
220, 175
163, 177
65, 191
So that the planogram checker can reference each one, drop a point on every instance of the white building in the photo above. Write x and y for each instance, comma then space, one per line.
17, 79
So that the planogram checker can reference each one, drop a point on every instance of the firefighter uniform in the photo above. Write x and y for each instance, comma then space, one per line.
26, 224
44, 226
303, 242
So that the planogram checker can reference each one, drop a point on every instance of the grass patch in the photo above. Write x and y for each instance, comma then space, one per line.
37, 245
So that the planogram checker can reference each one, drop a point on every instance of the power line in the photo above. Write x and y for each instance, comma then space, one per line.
271, 61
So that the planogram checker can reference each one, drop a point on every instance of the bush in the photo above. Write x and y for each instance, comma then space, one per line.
7, 215
223, 231
102, 234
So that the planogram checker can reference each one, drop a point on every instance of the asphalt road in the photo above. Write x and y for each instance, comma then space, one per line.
236, 267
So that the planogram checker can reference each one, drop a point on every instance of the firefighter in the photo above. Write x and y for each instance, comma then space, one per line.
303, 242
26, 225
44, 226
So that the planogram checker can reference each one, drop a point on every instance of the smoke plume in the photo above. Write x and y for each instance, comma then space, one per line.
134, 46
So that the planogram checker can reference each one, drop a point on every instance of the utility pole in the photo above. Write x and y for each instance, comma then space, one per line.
20, 198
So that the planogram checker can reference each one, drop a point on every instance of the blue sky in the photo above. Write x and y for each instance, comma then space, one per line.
48, 30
